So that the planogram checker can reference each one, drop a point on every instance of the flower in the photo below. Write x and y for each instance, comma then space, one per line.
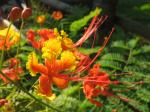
97, 83
44, 35
3, 102
63, 60
11, 39
50, 73
57, 15
52, 48
58, 54
32, 60
41, 19
12, 71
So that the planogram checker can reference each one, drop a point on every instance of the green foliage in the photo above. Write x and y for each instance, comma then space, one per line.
66, 103
78, 24
135, 9
89, 51
126, 60
74, 12
132, 61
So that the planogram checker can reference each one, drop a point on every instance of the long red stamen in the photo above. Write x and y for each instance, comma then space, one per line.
99, 51
91, 29
94, 40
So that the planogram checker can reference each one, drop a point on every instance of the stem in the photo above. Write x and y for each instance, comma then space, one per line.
25, 91
127, 61
29, 103
19, 46
21, 27
2, 52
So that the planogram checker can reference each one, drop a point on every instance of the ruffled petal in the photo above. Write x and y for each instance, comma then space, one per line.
60, 82
45, 85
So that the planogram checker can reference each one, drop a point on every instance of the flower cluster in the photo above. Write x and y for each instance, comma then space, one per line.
97, 83
12, 71
8, 38
58, 54
63, 62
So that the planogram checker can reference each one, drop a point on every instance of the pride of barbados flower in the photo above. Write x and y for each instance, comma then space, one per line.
41, 19
8, 38
57, 15
12, 71
59, 57
62, 60
97, 83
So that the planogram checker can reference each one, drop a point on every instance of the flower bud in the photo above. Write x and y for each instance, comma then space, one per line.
15, 14
26, 13
3, 102
41, 19
57, 15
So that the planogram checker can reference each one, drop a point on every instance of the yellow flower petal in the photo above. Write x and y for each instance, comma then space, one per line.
63, 33
68, 59
67, 43
51, 49
32, 60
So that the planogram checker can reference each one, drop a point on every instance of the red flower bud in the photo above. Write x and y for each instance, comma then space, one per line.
15, 14
26, 13
3, 102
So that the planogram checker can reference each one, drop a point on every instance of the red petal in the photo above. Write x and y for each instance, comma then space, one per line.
60, 82
45, 85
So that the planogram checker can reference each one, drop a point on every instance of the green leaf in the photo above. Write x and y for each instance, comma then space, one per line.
143, 94
27, 48
120, 44
89, 51
66, 103
78, 24
110, 64
113, 57
133, 42
142, 50
71, 90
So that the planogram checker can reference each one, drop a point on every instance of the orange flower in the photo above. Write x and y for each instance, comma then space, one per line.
12, 71
50, 72
44, 34
57, 15
11, 39
61, 55
41, 19
44, 85
96, 83
58, 57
